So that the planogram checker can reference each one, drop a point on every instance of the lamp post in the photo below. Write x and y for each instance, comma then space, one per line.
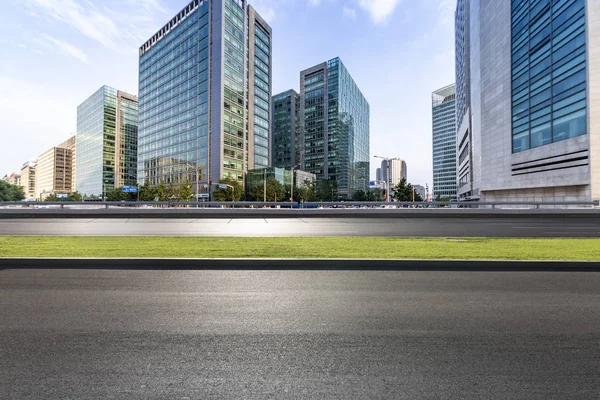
292, 185
387, 178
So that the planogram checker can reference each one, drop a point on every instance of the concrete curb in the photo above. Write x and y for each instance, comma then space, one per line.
299, 264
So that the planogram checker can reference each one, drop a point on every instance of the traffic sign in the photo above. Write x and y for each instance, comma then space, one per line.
222, 186
129, 189
62, 196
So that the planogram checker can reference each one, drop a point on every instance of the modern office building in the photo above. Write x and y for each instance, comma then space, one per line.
534, 83
468, 146
397, 171
54, 172
334, 124
205, 94
378, 175
71, 145
444, 142
256, 179
106, 145
286, 130
28, 177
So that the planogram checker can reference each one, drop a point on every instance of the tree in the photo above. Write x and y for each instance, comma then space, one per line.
360, 195
403, 192
275, 191
184, 192
227, 194
375, 195
116, 195
75, 196
307, 192
10, 192
326, 190
147, 193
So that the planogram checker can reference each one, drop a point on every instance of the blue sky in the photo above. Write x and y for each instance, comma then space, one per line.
56, 53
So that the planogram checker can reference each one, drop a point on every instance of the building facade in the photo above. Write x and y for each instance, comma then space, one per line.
205, 93
55, 171
71, 145
28, 177
396, 173
106, 144
334, 124
535, 99
286, 130
421, 191
14, 179
444, 142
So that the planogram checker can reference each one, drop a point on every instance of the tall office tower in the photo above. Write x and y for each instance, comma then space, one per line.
205, 93
286, 130
468, 146
334, 123
378, 175
396, 173
444, 142
54, 173
14, 179
28, 179
106, 145
535, 99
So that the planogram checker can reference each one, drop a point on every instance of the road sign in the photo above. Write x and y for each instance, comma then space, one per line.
130, 189
62, 196
221, 186
203, 195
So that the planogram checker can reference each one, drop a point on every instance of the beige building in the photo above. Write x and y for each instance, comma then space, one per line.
397, 171
14, 179
28, 176
54, 172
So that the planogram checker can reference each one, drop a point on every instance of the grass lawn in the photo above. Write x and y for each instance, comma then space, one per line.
210, 247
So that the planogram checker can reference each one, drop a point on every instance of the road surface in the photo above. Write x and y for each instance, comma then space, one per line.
509, 226
89, 334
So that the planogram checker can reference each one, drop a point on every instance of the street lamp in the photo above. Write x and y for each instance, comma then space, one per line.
292, 186
388, 180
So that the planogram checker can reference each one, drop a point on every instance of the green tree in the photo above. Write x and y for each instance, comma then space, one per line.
326, 190
360, 195
10, 192
275, 191
147, 193
375, 195
307, 192
116, 195
227, 194
403, 192
184, 192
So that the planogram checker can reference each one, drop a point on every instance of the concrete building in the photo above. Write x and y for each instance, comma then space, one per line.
397, 171
286, 130
534, 86
14, 179
334, 123
28, 177
54, 172
205, 94
107, 140
421, 191
378, 175
71, 145
444, 142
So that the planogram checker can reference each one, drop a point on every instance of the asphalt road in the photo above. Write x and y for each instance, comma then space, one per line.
91, 334
508, 226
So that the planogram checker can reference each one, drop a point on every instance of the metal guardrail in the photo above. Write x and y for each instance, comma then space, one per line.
308, 205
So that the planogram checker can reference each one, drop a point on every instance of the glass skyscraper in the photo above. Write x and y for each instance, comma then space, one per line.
286, 130
106, 145
444, 142
205, 92
334, 121
549, 74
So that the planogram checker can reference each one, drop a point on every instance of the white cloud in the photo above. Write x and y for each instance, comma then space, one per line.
315, 2
266, 9
350, 12
122, 31
378, 9
68, 49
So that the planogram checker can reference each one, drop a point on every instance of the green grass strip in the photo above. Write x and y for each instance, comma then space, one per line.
337, 247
